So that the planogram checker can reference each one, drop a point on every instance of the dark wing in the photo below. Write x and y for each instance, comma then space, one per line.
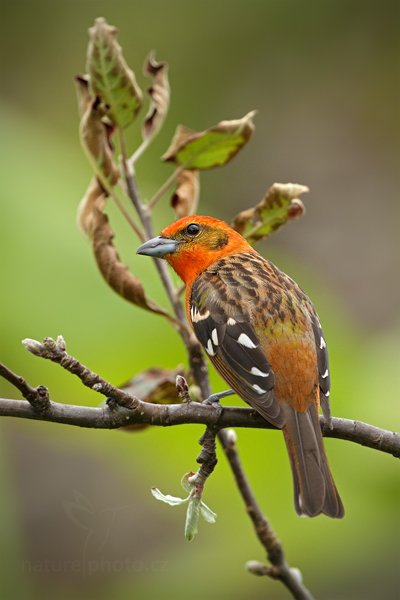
323, 368
233, 347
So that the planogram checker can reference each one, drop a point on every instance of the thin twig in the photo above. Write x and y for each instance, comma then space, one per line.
129, 174
127, 216
109, 190
207, 458
55, 350
181, 290
37, 397
165, 187
145, 217
139, 151
291, 578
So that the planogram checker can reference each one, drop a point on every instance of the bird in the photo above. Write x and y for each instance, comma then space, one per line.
263, 335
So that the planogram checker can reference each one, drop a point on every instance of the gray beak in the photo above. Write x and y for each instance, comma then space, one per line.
158, 247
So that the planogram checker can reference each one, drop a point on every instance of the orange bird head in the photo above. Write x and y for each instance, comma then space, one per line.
192, 244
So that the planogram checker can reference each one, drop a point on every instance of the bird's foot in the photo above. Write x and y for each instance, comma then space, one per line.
214, 399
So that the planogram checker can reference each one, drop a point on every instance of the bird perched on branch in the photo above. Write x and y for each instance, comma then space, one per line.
263, 335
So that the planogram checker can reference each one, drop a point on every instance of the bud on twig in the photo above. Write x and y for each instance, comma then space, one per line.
33, 346
183, 388
60, 343
257, 568
231, 437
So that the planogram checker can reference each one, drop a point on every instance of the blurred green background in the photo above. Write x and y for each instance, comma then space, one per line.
324, 77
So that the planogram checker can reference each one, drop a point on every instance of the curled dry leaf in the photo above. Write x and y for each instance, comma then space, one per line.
95, 134
156, 386
110, 77
186, 196
159, 92
96, 138
279, 205
116, 273
83, 93
86, 206
213, 147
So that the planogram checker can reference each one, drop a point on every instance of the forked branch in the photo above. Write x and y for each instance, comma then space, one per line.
124, 409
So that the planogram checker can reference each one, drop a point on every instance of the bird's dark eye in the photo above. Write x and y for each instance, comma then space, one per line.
193, 229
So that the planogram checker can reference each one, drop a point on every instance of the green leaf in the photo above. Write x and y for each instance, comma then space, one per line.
213, 147
192, 518
167, 498
196, 506
110, 77
208, 515
279, 205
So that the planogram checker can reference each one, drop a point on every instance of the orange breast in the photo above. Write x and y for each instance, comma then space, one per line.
294, 363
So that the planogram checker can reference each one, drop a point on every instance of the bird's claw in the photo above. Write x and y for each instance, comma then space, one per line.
214, 399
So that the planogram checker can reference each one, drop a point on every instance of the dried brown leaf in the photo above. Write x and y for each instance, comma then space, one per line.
95, 134
155, 385
159, 93
186, 196
84, 216
116, 273
83, 93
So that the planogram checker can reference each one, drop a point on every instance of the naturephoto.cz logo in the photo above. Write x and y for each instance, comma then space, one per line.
94, 557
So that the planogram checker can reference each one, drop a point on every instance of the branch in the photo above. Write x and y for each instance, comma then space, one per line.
169, 415
364, 434
193, 484
207, 458
37, 397
125, 409
55, 350
165, 187
280, 569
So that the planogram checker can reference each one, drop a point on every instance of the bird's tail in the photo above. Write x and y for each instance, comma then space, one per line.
314, 489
